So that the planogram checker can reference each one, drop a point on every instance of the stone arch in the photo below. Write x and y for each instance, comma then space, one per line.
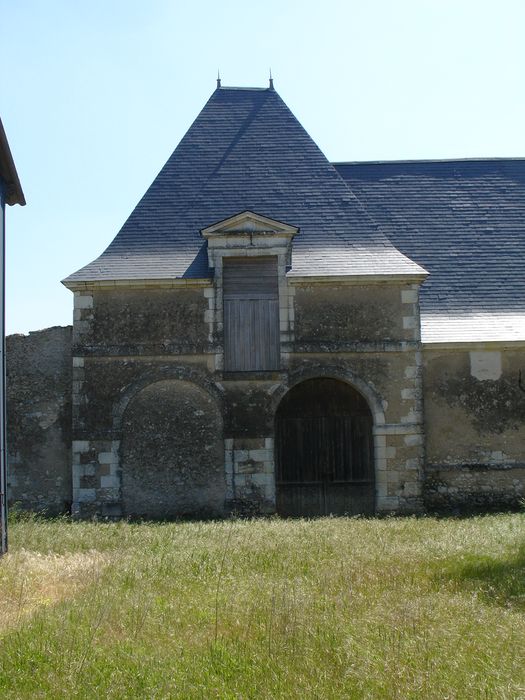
334, 372
336, 439
171, 451
161, 373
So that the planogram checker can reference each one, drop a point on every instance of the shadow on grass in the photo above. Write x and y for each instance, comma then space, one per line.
500, 581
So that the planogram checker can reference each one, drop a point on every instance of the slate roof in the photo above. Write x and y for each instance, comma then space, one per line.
464, 221
246, 151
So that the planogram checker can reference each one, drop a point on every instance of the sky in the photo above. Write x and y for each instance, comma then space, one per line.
96, 95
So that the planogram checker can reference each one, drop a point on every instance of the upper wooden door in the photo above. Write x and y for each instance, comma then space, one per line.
251, 314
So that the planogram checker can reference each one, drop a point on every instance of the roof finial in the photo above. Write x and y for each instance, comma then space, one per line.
218, 78
271, 80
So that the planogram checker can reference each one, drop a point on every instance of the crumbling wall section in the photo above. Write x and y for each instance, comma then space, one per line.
39, 419
475, 428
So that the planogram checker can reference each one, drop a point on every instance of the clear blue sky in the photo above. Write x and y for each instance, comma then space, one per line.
96, 95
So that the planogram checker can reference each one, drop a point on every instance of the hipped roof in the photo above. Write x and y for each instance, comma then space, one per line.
247, 151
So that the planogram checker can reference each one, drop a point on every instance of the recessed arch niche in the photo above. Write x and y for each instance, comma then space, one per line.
172, 452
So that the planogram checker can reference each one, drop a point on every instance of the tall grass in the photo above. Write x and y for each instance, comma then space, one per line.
330, 608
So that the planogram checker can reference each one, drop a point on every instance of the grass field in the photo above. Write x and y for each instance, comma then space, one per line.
330, 608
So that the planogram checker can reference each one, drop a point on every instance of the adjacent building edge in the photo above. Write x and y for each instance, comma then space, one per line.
3, 450
10, 193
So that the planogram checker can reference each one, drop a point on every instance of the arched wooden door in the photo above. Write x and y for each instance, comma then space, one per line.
324, 451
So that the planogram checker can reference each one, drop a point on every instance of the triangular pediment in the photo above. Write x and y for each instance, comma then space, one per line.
248, 222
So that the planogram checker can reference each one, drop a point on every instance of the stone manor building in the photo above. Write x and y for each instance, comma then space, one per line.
271, 332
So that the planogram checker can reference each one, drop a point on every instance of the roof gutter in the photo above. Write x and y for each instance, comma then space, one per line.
165, 283
357, 279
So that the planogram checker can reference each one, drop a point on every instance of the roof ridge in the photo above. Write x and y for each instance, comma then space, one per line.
236, 87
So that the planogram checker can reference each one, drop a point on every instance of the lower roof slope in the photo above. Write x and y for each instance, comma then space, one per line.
246, 151
464, 221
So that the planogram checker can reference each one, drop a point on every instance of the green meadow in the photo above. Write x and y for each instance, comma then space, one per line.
329, 608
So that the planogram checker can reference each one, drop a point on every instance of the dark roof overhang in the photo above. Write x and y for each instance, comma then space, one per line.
14, 194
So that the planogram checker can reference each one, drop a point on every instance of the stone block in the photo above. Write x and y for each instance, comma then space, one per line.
259, 455
251, 444
86, 495
381, 463
109, 481
107, 457
408, 296
269, 467
249, 466
413, 440
80, 445
412, 417
388, 503
412, 488
83, 301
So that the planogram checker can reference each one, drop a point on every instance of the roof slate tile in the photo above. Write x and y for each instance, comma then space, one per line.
464, 222
247, 151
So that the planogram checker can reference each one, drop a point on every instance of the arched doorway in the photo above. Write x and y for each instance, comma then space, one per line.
324, 451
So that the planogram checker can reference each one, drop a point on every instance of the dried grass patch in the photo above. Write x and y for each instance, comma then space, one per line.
31, 580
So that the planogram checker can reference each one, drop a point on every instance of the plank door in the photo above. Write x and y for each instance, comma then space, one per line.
251, 314
324, 451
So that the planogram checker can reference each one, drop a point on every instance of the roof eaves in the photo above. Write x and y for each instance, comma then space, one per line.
14, 194
75, 285
300, 278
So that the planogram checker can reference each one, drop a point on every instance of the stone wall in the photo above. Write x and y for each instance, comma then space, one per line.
147, 418
369, 336
157, 428
475, 428
174, 335
39, 419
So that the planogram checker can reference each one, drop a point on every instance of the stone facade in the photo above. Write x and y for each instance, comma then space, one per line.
158, 429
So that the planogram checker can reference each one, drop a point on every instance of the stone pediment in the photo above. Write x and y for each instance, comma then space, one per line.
249, 223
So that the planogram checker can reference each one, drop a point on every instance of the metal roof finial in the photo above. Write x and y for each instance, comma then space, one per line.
271, 80
218, 78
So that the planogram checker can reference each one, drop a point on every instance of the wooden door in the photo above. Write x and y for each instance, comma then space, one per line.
324, 451
251, 314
